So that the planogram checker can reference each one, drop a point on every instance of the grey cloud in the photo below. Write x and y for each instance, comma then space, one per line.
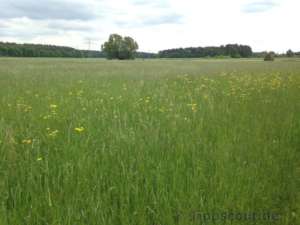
171, 18
27, 28
24, 34
153, 3
3, 25
66, 25
47, 9
259, 6
165, 19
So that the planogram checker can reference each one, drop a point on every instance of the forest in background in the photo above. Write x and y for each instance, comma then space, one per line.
37, 50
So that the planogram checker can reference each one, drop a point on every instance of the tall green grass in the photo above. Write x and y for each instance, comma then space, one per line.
86, 142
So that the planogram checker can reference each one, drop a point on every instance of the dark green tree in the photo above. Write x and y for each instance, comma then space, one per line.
231, 50
270, 56
118, 47
290, 53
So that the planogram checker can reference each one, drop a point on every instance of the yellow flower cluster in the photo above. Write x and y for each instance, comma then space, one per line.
79, 129
27, 141
193, 107
53, 106
52, 133
24, 107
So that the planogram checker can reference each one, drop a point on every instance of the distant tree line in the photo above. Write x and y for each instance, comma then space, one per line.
288, 54
230, 50
146, 55
37, 50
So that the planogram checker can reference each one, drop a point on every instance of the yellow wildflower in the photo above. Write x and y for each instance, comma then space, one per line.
53, 106
46, 117
193, 106
53, 133
79, 129
27, 109
27, 141
39, 159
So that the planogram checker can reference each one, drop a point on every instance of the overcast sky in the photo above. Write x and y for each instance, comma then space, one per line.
155, 24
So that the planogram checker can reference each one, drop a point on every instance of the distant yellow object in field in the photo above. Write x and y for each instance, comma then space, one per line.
27, 141
53, 133
79, 129
53, 106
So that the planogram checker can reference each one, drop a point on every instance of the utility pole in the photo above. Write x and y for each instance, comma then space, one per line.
89, 43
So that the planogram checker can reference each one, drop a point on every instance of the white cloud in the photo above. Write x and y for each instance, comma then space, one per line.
259, 6
156, 24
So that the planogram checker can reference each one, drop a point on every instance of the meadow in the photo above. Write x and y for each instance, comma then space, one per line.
153, 142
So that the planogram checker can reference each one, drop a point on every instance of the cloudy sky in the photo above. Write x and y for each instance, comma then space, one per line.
155, 24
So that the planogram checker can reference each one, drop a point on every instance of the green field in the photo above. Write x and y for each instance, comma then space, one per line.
154, 142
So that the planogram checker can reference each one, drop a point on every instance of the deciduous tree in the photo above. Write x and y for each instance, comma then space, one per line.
118, 47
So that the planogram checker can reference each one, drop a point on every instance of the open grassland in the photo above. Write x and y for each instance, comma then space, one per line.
86, 142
